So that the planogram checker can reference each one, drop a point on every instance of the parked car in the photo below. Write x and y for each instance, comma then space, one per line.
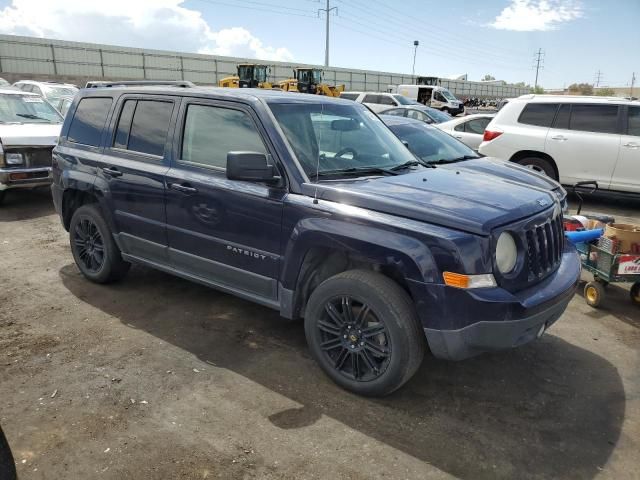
29, 128
503, 102
571, 139
313, 207
48, 90
4, 83
435, 147
468, 129
377, 101
419, 112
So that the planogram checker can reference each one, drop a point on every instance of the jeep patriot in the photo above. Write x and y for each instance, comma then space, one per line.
312, 206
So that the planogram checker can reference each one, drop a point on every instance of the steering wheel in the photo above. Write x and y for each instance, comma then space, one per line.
346, 150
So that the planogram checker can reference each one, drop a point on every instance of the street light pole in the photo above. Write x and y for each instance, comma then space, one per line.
415, 50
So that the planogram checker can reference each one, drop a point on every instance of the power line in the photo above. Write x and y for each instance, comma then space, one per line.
262, 8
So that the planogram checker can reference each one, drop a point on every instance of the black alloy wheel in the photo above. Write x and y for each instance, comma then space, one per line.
89, 244
354, 339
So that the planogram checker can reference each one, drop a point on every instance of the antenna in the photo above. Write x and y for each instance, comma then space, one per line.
315, 194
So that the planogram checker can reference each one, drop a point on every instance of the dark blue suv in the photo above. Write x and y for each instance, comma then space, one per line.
312, 206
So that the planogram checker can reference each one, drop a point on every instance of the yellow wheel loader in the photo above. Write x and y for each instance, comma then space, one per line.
309, 80
250, 75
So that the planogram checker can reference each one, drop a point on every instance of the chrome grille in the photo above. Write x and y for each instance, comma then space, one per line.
545, 242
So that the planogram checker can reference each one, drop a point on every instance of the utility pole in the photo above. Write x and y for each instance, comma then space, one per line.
415, 50
539, 59
598, 77
633, 81
327, 10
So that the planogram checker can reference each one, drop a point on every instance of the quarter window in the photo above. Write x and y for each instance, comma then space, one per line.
539, 114
212, 132
88, 121
633, 127
594, 118
477, 125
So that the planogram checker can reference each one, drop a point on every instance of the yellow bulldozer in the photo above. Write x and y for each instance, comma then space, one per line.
250, 75
309, 80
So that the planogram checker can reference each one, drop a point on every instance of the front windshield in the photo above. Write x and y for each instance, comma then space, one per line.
62, 91
402, 100
332, 137
449, 96
27, 109
438, 116
317, 76
431, 144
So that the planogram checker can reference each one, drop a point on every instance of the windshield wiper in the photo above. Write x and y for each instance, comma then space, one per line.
31, 116
454, 160
355, 171
402, 166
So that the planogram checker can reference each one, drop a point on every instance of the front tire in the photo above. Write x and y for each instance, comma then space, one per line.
539, 165
363, 331
93, 248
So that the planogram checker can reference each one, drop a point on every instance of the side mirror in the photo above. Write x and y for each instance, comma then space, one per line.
251, 167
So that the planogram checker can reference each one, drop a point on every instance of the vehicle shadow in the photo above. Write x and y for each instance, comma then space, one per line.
23, 204
547, 410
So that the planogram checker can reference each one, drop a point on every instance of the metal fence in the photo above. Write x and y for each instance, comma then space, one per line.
75, 61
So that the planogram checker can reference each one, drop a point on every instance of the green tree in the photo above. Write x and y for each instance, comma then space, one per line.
605, 92
538, 90
581, 89
488, 77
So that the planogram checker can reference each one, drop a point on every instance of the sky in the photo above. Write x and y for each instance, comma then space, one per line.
578, 38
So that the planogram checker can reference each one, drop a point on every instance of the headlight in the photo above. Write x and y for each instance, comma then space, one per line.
506, 253
13, 158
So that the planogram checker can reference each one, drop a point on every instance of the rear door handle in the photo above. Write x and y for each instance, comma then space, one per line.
112, 172
459, 137
183, 188
561, 138
631, 145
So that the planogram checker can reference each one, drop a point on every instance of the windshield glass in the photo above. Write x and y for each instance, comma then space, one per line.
27, 109
334, 136
402, 100
448, 95
61, 91
261, 73
431, 144
437, 115
317, 76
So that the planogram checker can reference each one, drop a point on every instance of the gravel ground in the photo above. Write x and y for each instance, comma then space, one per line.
159, 378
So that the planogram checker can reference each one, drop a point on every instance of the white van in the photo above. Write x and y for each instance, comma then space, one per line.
432, 96
377, 101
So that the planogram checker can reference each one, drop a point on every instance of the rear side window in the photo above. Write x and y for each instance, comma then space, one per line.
212, 132
594, 118
633, 127
143, 126
349, 96
88, 120
539, 114
398, 112
371, 99
562, 119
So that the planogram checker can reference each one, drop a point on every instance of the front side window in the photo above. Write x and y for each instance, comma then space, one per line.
333, 137
418, 115
210, 133
594, 118
371, 99
449, 96
386, 100
633, 126
349, 96
89, 119
538, 114
439, 97
398, 112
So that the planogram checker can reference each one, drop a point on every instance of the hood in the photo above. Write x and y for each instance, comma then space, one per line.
458, 198
506, 170
29, 134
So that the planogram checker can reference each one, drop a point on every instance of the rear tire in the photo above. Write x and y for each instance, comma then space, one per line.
93, 247
363, 331
540, 165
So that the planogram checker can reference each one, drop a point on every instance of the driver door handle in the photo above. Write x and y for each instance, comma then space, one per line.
112, 172
183, 188
561, 138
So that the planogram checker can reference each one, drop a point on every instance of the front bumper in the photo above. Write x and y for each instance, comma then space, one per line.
24, 177
460, 323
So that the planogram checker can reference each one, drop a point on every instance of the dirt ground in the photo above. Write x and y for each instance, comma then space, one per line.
159, 378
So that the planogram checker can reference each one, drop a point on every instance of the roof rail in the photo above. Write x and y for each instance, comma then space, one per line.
140, 83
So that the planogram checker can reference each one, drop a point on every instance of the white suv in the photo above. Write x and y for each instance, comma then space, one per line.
48, 90
378, 101
570, 138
